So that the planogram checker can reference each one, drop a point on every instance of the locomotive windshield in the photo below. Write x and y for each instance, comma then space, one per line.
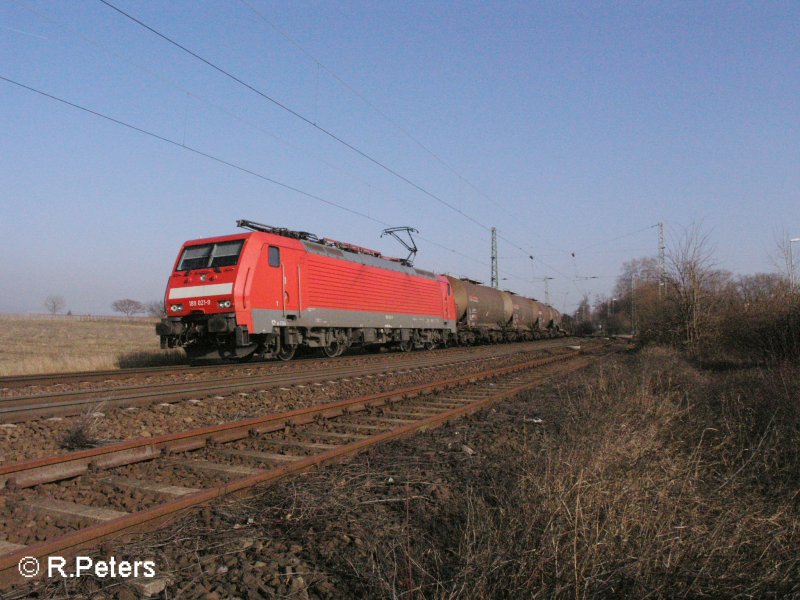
205, 256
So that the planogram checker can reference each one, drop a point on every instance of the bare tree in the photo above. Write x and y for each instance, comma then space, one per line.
155, 308
641, 270
584, 310
784, 258
54, 304
128, 307
583, 317
694, 282
761, 289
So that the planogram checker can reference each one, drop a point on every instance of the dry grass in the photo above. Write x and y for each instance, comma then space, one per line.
647, 479
83, 432
651, 488
44, 344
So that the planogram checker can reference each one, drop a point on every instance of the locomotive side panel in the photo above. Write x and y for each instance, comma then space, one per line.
273, 290
326, 287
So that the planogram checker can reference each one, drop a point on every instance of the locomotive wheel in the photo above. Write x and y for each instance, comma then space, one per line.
333, 349
431, 346
287, 353
406, 346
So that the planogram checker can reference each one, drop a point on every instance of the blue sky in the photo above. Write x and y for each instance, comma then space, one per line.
565, 125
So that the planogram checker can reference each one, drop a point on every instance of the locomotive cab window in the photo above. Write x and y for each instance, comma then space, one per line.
208, 256
274, 256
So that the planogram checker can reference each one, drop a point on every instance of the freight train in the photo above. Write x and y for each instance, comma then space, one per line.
268, 292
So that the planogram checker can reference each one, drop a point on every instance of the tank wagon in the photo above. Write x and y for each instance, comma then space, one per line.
488, 315
268, 291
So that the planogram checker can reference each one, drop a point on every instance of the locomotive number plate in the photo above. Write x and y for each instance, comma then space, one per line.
201, 302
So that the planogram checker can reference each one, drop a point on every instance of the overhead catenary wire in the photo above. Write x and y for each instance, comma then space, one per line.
311, 123
223, 110
170, 82
404, 130
287, 186
575, 279
344, 207
191, 149
224, 162
619, 237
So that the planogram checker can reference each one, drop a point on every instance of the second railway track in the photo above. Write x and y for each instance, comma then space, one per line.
25, 407
10, 384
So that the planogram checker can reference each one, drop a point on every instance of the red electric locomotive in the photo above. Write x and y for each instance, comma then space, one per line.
268, 291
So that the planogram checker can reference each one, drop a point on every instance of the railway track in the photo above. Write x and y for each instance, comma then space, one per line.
174, 472
15, 382
20, 408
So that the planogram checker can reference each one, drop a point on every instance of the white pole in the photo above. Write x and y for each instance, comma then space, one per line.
792, 282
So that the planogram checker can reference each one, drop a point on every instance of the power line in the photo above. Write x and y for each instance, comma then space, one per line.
379, 111
289, 187
269, 179
314, 125
241, 119
193, 150
224, 162
307, 121
624, 235
594, 253
171, 82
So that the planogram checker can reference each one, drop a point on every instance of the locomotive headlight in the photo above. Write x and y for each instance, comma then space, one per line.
176, 307
224, 303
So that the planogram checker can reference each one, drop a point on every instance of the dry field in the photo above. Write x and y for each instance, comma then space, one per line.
45, 344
